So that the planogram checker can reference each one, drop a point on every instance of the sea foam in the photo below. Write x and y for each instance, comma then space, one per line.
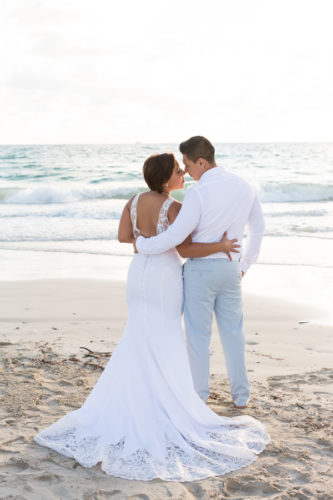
47, 194
41, 195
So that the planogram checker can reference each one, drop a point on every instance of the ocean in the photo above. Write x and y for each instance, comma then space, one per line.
66, 200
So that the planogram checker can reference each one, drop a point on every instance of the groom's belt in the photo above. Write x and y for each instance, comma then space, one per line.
235, 259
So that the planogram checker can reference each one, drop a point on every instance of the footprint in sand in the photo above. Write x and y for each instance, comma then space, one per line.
14, 466
49, 478
65, 383
248, 486
140, 496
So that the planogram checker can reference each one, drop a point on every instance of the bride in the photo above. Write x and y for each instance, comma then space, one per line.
143, 419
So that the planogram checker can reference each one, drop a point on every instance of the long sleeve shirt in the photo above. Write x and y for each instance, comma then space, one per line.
220, 201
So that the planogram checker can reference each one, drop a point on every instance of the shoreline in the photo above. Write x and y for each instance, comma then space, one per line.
304, 285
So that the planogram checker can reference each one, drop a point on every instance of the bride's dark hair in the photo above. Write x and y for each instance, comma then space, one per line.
157, 170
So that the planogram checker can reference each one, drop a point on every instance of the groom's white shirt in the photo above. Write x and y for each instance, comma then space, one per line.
220, 201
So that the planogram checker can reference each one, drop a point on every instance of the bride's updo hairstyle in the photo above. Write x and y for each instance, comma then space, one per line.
157, 170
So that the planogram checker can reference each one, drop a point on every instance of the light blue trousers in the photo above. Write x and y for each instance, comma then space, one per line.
215, 285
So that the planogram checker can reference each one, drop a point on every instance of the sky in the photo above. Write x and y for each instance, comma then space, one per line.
111, 71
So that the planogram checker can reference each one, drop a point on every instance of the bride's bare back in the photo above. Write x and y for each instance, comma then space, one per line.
148, 209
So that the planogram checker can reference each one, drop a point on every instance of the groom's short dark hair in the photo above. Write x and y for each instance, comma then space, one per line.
198, 147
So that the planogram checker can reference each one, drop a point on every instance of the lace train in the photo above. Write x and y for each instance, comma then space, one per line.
221, 452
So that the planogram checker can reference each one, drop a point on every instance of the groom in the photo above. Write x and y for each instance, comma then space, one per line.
220, 201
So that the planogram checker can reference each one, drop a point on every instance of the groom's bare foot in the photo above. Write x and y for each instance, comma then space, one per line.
241, 407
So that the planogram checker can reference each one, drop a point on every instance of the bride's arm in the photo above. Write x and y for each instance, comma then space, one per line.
190, 249
125, 228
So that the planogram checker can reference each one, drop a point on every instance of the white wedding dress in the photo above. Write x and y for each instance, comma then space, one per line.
143, 419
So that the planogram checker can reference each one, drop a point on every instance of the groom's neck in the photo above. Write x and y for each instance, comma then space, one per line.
209, 166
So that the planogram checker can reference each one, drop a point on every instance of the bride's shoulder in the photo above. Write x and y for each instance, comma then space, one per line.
135, 196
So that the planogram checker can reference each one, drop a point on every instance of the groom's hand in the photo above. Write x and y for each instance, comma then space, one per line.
242, 273
229, 246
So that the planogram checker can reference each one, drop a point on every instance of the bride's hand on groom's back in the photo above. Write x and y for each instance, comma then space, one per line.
229, 246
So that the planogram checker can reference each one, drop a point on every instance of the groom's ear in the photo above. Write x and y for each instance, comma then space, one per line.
202, 162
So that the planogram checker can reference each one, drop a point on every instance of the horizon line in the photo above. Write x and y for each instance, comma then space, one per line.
155, 142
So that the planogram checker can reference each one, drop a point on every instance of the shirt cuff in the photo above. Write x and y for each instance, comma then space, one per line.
137, 243
244, 266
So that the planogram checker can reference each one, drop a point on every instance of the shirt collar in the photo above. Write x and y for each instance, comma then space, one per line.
211, 173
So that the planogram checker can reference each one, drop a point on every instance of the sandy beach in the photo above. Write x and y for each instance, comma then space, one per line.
56, 337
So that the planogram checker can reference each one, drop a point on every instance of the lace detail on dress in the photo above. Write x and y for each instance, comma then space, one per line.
163, 221
216, 453
133, 212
